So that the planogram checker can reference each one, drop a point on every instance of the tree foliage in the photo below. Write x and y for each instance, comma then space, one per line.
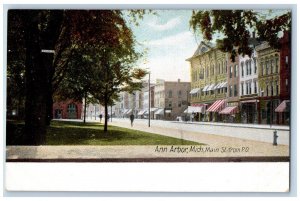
236, 27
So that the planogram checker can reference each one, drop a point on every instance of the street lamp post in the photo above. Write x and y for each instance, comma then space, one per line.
149, 101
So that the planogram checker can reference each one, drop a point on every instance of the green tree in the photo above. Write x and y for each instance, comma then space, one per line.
235, 26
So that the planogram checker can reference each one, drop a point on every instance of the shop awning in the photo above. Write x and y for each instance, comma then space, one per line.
141, 112
282, 106
205, 88
229, 110
218, 86
216, 106
159, 111
129, 111
194, 91
125, 111
211, 87
194, 109
223, 85
168, 111
153, 109
250, 101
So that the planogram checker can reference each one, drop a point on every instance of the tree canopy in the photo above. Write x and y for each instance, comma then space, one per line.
236, 27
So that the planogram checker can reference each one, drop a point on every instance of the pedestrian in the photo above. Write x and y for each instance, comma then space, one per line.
100, 118
131, 119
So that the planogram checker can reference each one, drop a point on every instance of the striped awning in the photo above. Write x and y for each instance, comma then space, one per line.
229, 110
125, 111
205, 88
223, 84
216, 106
129, 111
159, 111
282, 106
211, 87
194, 91
141, 112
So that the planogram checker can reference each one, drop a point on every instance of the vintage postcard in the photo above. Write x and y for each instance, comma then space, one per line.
198, 86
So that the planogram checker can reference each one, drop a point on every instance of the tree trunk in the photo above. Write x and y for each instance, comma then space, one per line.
39, 71
36, 83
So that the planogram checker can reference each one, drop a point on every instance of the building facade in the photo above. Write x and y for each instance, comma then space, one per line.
170, 99
208, 79
248, 93
68, 109
268, 83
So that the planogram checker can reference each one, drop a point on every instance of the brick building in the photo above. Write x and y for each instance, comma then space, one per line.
68, 109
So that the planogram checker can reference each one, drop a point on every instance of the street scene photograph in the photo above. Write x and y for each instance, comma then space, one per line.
148, 85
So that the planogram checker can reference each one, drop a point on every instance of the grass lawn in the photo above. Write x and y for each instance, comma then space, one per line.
78, 133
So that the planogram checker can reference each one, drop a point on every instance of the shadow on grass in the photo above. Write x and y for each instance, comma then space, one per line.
79, 133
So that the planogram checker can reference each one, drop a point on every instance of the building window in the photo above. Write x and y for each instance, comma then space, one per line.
255, 87
230, 91
287, 85
276, 64
219, 68
179, 94
225, 90
242, 89
179, 104
170, 94
230, 73
286, 61
242, 69
236, 71
212, 69
262, 68
212, 92
271, 89
250, 88
255, 66
170, 104
267, 89
235, 90
272, 65
267, 67
207, 74
277, 87
247, 88
250, 67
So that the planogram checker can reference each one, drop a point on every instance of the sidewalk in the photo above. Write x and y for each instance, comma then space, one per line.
216, 148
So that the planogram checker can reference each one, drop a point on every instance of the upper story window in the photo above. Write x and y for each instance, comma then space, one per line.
276, 64
286, 61
170, 94
255, 66
236, 71
179, 94
262, 68
230, 73
250, 66
242, 69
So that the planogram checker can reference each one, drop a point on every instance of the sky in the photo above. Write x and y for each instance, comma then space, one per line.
169, 41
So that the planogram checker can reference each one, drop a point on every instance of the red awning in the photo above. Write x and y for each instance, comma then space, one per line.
216, 106
282, 106
229, 110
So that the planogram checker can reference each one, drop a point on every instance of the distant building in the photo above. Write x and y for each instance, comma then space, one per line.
268, 82
170, 99
283, 110
68, 109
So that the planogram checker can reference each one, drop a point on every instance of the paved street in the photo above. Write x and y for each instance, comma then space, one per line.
230, 141
261, 133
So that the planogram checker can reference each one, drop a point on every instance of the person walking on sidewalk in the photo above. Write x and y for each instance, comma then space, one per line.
100, 116
131, 119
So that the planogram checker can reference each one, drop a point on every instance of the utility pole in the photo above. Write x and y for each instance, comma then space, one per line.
149, 101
